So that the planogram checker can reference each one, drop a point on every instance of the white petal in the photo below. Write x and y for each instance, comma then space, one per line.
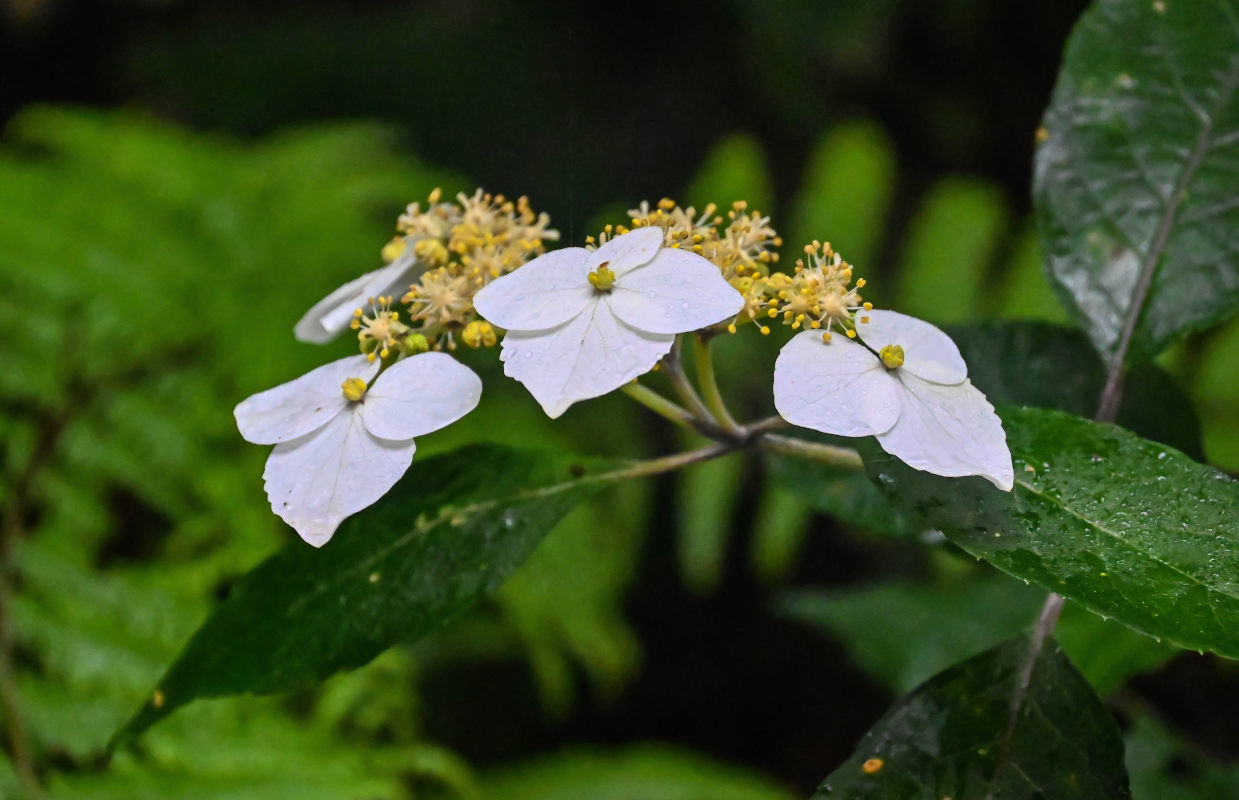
546, 292
291, 410
628, 251
331, 315
949, 430
677, 292
585, 357
315, 482
834, 387
419, 395
928, 352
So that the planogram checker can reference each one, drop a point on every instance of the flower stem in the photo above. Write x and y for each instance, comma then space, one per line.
709, 386
674, 367
659, 405
824, 453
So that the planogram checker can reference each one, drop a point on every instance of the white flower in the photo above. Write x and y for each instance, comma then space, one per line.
341, 444
331, 316
582, 323
907, 385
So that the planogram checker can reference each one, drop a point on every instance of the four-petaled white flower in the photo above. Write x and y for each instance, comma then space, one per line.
907, 385
341, 444
581, 324
331, 316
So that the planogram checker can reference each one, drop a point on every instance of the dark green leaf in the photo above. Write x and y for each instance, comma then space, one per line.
903, 632
1161, 765
1050, 366
452, 530
1134, 183
1128, 528
953, 736
844, 494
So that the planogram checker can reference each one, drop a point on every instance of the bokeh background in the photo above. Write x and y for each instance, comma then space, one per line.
180, 180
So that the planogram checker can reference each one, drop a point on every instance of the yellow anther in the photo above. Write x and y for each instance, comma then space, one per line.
867, 306
892, 356
602, 278
851, 334
774, 312
826, 336
860, 283
864, 320
764, 330
354, 389
435, 194
731, 328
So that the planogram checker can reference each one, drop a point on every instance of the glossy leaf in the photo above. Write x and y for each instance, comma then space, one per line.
953, 737
1134, 181
452, 530
1128, 528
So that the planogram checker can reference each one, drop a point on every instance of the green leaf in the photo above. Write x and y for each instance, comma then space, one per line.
846, 193
844, 494
901, 633
1161, 765
953, 736
1134, 181
734, 169
452, 530
1049, 366
1128, 528
642, 772
951, 242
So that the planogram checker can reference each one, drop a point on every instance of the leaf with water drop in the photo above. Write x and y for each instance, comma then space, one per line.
1016, 722
1131, 529
453, 529
1135, 175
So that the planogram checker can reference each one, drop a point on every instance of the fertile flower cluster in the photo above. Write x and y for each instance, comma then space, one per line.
580, 322
442, 256
818, 295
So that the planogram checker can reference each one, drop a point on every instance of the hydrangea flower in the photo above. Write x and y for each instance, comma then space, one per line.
581, 323
905, 383
343, 438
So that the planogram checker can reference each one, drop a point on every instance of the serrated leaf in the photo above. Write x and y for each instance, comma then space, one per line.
451, 530
1130, 529
952, 736
1134, 181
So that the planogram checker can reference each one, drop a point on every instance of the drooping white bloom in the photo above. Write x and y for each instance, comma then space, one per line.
341, 443
907, 385
331, 316
581, 324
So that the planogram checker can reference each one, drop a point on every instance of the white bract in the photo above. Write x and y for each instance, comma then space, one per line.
341, 443
581, 324
907, 385
331, 316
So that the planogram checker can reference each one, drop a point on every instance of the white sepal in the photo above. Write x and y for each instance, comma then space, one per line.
419, 395
291, 410
676, 291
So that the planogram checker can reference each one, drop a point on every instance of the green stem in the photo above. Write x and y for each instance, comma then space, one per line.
709, 387
827, 454
659, 405
673, 365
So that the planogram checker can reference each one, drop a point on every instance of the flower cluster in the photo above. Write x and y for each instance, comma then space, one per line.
442, 256
580, 322
818, 295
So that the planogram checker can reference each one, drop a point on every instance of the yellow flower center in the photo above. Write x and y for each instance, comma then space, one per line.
892, 356
602, 278
354, 389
